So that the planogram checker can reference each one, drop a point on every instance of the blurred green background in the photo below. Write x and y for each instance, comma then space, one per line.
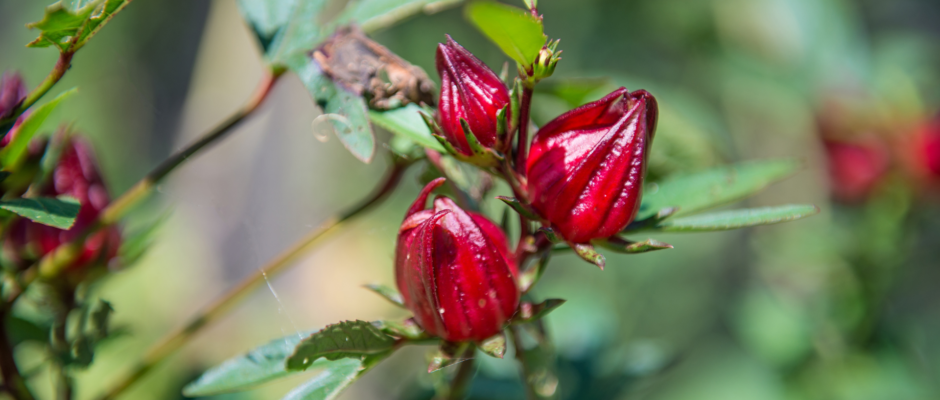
840, 306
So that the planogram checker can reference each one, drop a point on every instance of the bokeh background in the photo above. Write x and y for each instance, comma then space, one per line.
844, 305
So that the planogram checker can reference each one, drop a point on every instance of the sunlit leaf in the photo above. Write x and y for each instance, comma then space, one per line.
734, 219
55, 212
262, 364
348, 339
13, 152
406, 122
70, 25
336, 376
372, 15
516, 31
714, 187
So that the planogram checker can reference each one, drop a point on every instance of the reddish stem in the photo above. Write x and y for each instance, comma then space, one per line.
523, 141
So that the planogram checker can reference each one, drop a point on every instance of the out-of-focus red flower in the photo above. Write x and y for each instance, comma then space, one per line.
930, 146
855, 168
470, 91
12, 92
586, 168
76, 175
454, 270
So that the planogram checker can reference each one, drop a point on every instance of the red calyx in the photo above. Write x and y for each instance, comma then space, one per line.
471, 91
586, 168
855, 168
454, 270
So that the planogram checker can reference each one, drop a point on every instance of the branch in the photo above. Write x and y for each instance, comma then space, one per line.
61, 67
172, 342
54, 262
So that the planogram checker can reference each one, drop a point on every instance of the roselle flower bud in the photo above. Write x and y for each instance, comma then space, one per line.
76, 175
12, 92
586, 168
454, 270
472, 92
855, 168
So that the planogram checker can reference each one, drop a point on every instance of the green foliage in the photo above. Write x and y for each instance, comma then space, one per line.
348, 339
336, 376
260, 365
516, 31
387, 293
70, 25
12, 154
734, 219
372, 15
713, 187
537, 355
406, 122
58, 213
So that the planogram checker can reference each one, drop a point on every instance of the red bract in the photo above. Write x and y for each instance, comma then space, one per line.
76, 175
12, 92
855, 169
454, 270
586, 168
471, 91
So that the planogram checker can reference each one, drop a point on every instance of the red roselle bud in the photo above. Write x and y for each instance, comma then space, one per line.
76, 175
454, 270
12, 92
855, 168
586, 168
470, 91
929, 144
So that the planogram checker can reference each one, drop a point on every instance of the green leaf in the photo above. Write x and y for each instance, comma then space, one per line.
22, 330
714, 187
407, 329
516, 31
336, 376
260, 365
372, 15
100, 318
266, 17
13, 152
529, 312
523, 209
345, 111
406, 122
58, 213
69, 26
743, 218
348, 339
387, 293
301, 33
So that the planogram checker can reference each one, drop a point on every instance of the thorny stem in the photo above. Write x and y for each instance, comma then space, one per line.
458, 386
61, 67
52, 264
13, 382
173, 341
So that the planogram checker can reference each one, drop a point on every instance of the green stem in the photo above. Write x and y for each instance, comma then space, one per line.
61, 67
464, 376
13, 382
173, 341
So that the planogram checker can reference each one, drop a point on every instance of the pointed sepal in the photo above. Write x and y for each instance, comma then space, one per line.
495, 346
624, 246
447, 355
589, 254
531, 276
523, 209
387, 293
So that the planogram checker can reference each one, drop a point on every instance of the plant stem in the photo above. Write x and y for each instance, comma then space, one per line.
13, 382
53, 263
523, 141
458, 386
61, 67
172, 342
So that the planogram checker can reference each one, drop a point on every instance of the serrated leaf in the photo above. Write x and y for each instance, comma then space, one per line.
69, 26
345, 111
260, 365
387, 293
347, 339
735, 219
529, 312
16, 149
711, 188
516, 31
58, 213
336, 376
406, 122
